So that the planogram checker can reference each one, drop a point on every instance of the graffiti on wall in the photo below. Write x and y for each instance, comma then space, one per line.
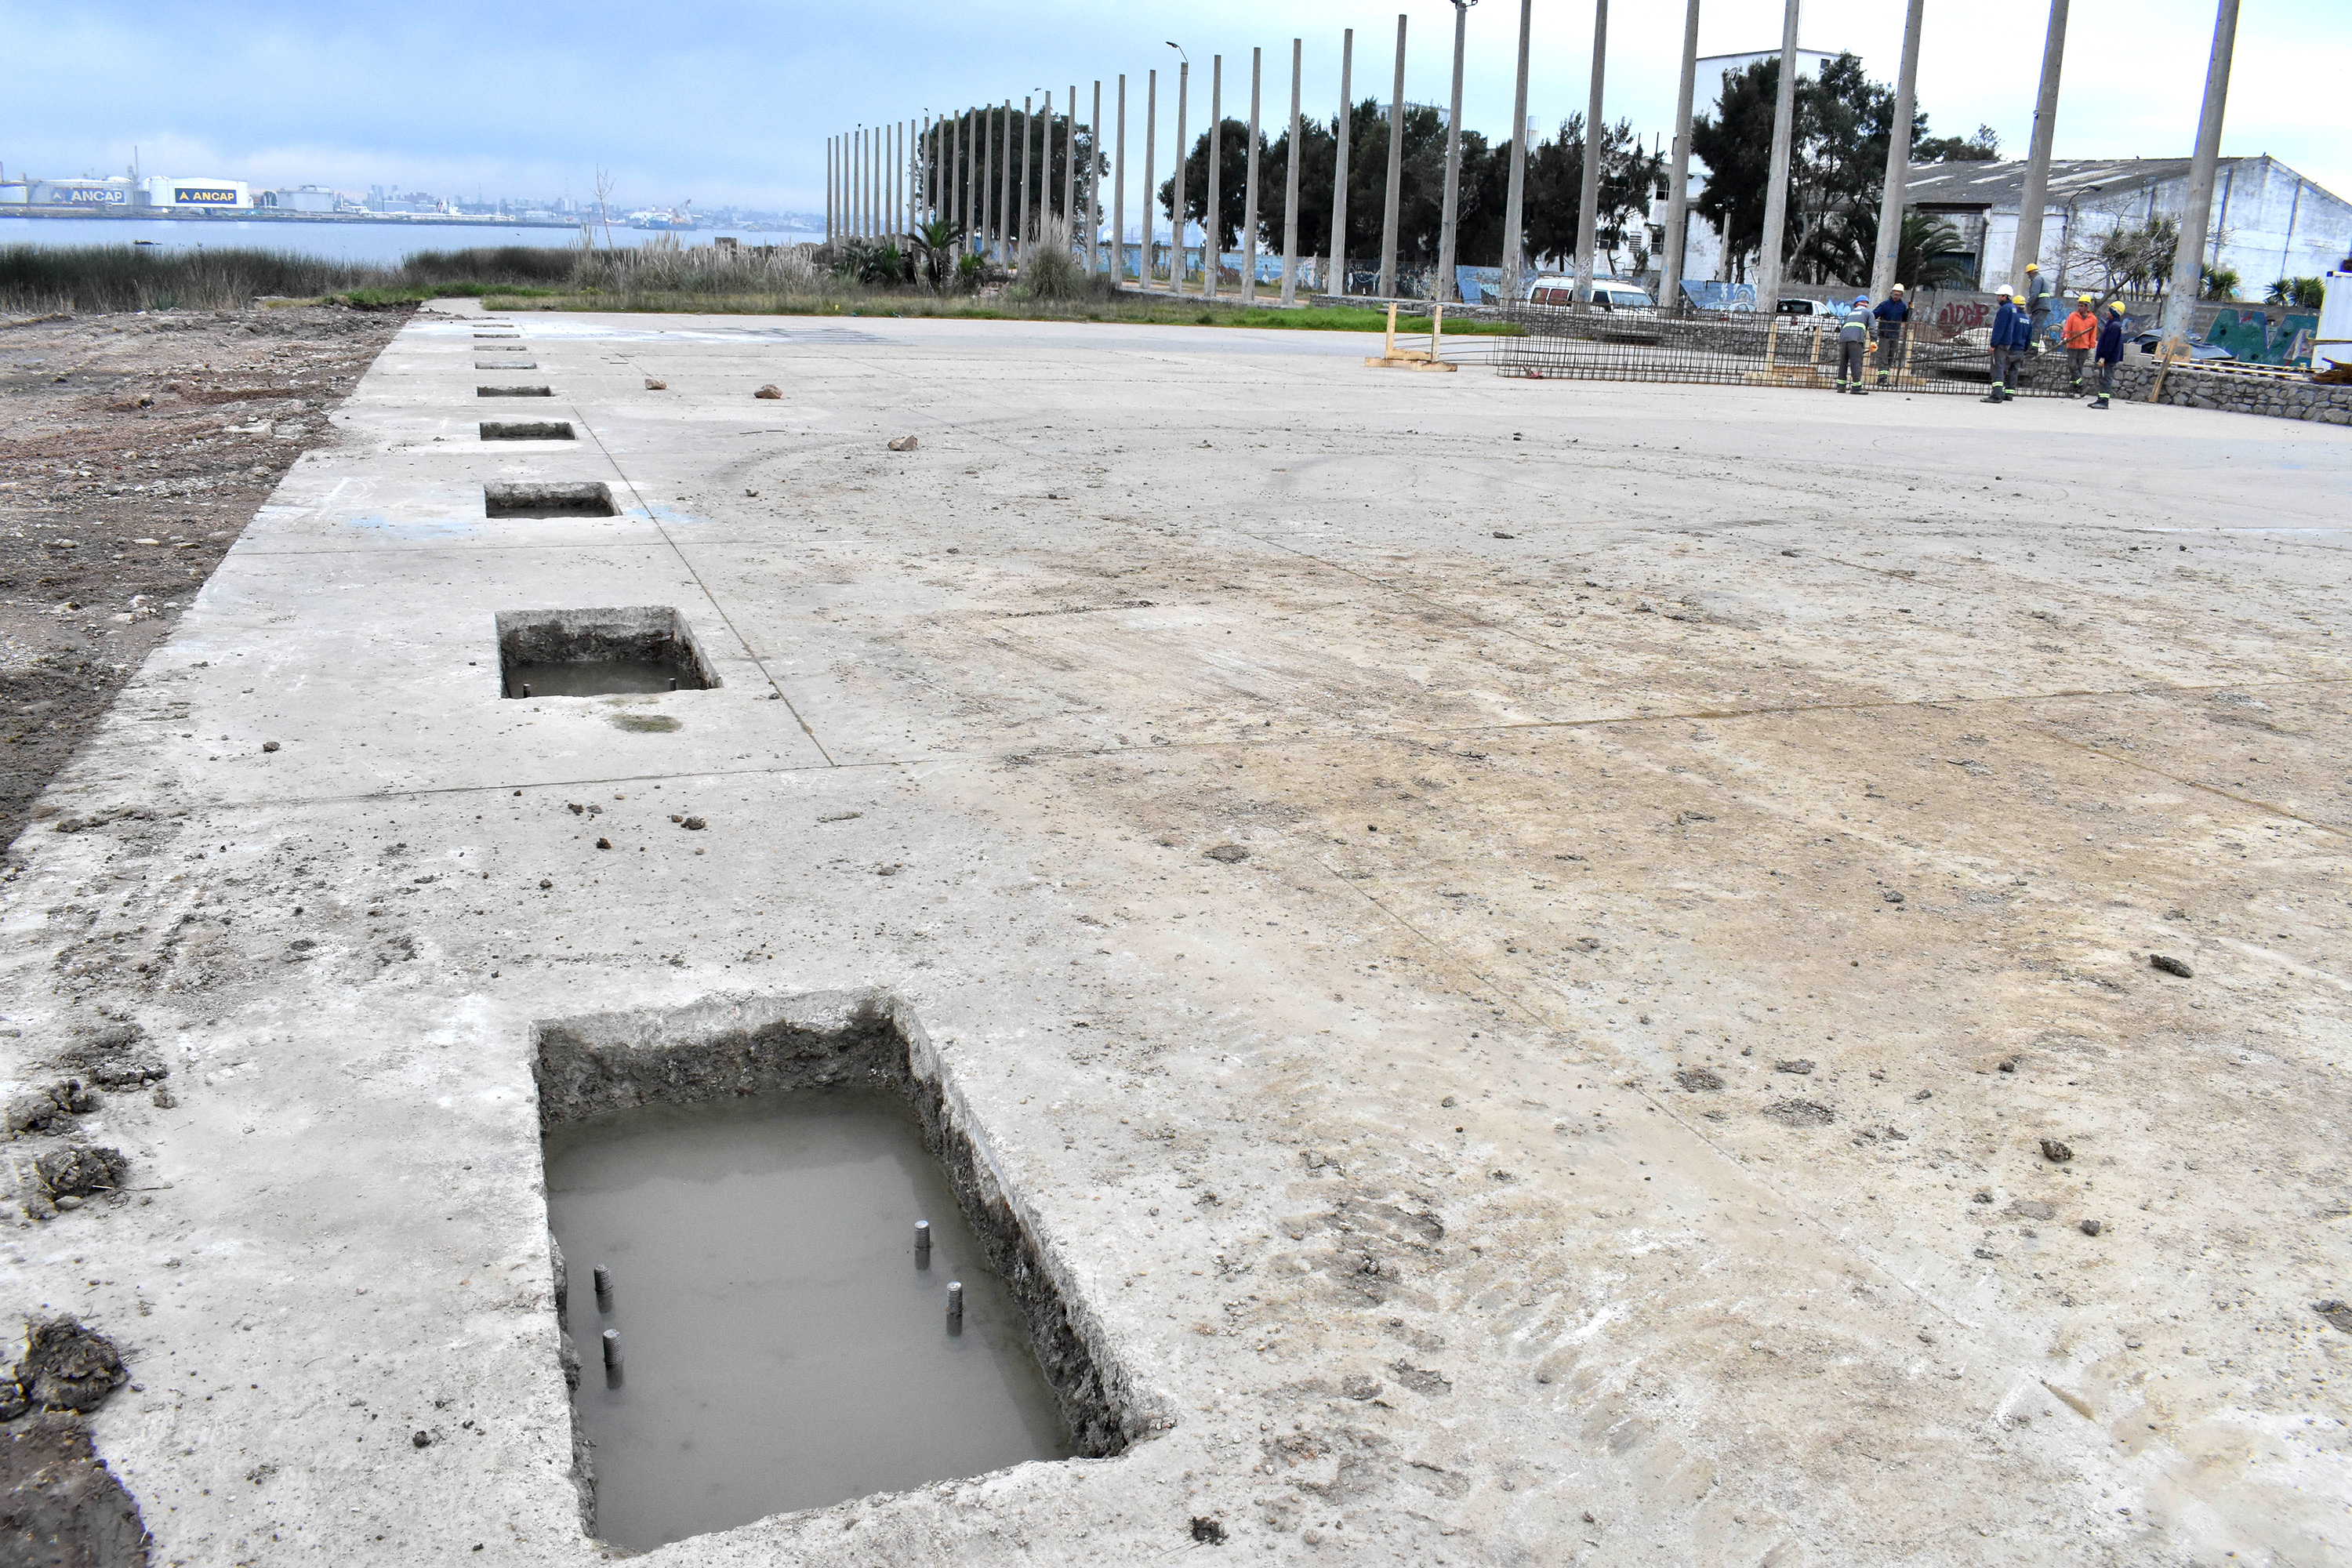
2249, 335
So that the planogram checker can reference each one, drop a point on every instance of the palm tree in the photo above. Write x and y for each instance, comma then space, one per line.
1929, 252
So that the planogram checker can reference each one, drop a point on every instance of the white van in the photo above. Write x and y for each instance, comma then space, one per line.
1607, 292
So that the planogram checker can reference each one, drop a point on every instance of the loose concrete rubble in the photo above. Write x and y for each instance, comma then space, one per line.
1509, 949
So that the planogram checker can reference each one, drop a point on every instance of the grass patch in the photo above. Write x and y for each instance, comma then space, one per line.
1128, 308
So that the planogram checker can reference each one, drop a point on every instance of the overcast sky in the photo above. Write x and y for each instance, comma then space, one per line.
731, 101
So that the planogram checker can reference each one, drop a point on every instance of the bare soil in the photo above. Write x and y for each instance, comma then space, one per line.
133, 450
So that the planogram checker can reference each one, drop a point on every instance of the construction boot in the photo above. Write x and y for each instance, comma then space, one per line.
1992, 396
2100, 400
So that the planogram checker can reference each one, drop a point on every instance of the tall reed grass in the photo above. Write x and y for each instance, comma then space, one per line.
37, 278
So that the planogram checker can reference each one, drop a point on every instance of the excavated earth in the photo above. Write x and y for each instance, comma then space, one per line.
1536, 973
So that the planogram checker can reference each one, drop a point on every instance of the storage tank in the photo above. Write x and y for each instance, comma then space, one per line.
190, 194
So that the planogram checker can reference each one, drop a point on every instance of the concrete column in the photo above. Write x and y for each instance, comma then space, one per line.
1396, 170
1449, 222
2035, 196
1028, 163
1670, 282
1514, 203
1004, 188
1776, 193
1899, 159
1176, 212
1588, 208
1337, 283
984, 180
1119, 194
1249, 183
1092, 185
857, 183
2196, 216
1151, 190
1290, 188
828, 190
1210, 251
1070, 167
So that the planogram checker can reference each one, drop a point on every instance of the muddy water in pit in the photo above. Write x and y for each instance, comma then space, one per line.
601, 679
782, 1347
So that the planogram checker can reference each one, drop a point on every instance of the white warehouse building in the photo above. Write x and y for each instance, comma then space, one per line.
2269, 222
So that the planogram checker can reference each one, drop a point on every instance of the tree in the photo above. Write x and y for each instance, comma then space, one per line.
2217, 282
1928, 254
1984, 147
2129, 258
940, 167
1837, 165
1232, 195
1555, 192
2303, 293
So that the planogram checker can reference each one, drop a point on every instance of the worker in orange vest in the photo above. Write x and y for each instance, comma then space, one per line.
2078, 336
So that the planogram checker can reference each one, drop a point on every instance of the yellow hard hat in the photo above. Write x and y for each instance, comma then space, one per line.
2083, 300
2115, 304
2034, 266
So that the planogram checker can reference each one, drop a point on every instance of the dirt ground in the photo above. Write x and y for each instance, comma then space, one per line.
133, 449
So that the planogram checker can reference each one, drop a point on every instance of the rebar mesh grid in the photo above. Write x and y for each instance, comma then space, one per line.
1572, 343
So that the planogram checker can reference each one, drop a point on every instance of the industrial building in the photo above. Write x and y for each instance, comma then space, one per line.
2269, 222
187, 193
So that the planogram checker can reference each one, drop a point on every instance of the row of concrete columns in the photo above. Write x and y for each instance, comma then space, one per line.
889, 180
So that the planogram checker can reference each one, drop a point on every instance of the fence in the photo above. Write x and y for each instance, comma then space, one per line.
1571, 343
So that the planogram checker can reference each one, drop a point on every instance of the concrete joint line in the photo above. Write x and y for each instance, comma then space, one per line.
2248, 801
716, 608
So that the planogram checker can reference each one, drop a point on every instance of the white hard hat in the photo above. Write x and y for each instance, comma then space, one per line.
1898, 287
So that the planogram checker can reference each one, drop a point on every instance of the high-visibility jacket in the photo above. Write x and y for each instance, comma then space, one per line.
2081, 331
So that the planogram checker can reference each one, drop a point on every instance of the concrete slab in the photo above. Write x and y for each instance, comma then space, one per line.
1699, 843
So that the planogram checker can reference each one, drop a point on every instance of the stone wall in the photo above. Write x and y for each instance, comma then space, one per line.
2279, 396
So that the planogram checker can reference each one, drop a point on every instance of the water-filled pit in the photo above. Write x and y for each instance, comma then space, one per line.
599, 652
783, 1342
748, 1171
513, 391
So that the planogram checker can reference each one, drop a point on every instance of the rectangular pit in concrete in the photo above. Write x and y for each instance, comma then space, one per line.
506, 364
750, 1172
527, 430
599, 652
588, 499
513, 391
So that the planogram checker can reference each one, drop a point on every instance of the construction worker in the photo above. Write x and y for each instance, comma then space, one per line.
2079, 335
2110, 350
2038, 296
1892, 313
2006, 320
1853, 343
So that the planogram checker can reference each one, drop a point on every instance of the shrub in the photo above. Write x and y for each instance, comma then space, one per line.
1048, 269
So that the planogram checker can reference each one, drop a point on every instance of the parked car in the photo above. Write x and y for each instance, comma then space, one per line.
2198, 350
1607, 292
1811, 308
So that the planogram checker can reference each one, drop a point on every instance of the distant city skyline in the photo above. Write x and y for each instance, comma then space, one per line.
729, 106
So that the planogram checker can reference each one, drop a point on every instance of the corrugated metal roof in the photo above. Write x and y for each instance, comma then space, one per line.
2000, 185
